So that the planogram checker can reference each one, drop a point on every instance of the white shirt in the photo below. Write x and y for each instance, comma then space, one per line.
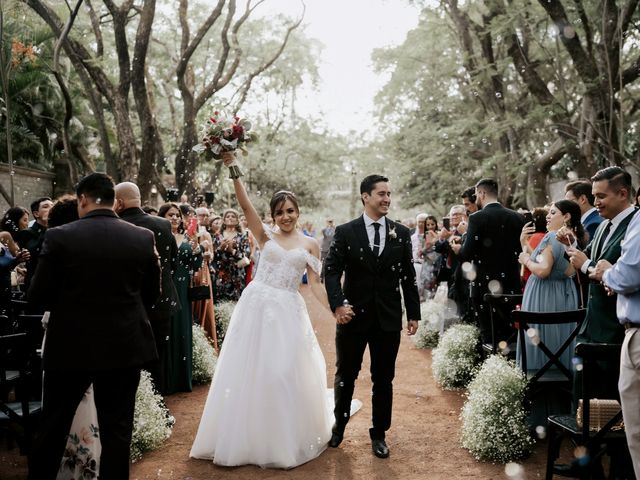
624, 276
614, 224
371, 231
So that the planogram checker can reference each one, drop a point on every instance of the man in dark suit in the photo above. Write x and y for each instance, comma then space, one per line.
128, 207
32, 237
374, 254
613, 194
97, 276
579, 191
492, 245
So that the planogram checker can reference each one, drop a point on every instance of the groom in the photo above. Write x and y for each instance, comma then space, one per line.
375, 256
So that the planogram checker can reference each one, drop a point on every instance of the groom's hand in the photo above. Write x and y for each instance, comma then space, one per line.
412, 327
344, 314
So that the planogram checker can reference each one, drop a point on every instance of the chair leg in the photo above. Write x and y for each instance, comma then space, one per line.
553, 450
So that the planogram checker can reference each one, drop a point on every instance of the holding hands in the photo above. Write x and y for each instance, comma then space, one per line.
344, 314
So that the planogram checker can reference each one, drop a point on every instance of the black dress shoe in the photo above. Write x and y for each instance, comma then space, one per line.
379, 448
336, 439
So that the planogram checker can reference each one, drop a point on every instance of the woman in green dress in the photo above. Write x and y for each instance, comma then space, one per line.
180, 351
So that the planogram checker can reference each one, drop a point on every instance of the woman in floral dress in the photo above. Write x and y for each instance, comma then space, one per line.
231, 256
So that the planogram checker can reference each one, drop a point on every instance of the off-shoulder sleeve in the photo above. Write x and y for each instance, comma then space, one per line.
314, 263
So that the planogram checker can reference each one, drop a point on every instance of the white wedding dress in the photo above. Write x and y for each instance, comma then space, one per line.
268, 402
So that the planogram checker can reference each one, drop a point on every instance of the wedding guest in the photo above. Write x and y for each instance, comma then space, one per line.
623, 278
448, 246
127, 206
215, 224
430, 258
98, 287
550, 287
580, 192
179, 360
32, 237
14, 220
203, 310
328, 233
417, 247
148, 209
10, 256
253, 247
492, 246
614, 196
232, 252
539, 221
469, 200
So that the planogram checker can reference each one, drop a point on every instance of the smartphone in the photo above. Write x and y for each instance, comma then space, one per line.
446, 223
193, 227
528, 217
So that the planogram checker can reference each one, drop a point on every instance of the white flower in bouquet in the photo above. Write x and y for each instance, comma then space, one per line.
204, 356
494, 425
152, 423
455, 359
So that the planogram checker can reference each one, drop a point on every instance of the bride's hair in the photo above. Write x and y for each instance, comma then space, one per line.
279, 198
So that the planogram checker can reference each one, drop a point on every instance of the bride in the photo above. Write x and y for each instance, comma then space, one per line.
267, 404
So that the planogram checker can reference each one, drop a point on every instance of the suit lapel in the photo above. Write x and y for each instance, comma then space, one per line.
618, 234
363, 240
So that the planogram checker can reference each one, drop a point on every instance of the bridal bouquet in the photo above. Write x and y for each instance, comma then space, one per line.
221, 134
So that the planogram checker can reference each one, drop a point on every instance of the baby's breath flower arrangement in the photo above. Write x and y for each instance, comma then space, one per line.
223, 316
204, 356
494, 426
433, 315
152, 423
456, 357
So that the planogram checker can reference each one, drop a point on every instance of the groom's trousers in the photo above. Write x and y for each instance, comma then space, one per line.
383, 350
114, 393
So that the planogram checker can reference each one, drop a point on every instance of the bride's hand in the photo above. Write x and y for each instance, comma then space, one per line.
228, 157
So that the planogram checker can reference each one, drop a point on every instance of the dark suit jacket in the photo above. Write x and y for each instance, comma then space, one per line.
493, 245
372, 286
97, 276
601, 323
591, 223
167, 250
31, 238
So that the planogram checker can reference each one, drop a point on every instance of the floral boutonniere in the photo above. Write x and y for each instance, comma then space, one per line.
392, 232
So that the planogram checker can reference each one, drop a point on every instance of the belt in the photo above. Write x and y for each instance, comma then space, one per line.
628, 325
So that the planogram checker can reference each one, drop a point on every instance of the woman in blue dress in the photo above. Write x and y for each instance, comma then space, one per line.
550, 287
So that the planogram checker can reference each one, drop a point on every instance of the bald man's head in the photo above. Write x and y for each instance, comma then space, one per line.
127, 196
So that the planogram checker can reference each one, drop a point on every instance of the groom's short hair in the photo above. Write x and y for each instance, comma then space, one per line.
99, 187
369, 183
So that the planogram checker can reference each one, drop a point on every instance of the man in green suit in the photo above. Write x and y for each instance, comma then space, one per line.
613, 194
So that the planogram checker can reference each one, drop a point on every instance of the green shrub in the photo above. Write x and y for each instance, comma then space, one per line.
223, 316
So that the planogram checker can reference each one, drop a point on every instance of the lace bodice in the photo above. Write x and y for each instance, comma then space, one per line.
282, 268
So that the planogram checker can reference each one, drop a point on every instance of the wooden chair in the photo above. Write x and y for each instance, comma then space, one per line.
18, 412
505, 303
606, 440
524, 319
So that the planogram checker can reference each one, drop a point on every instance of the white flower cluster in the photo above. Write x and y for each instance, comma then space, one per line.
152, 423
494, 426
204, 356
456, 357
433, 315
223, 316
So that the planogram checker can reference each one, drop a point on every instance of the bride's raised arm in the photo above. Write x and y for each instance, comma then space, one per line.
253, 219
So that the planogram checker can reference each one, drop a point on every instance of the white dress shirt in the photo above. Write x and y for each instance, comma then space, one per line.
624, 276
371, 231
587, 213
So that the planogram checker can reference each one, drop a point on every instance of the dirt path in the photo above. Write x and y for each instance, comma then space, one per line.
424, 438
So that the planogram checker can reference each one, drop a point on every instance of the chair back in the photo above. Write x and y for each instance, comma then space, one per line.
505, 302
524, 319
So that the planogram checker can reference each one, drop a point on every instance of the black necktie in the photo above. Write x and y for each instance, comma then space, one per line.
603, 239
376, 239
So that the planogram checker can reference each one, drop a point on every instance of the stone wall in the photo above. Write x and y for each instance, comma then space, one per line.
28, 184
